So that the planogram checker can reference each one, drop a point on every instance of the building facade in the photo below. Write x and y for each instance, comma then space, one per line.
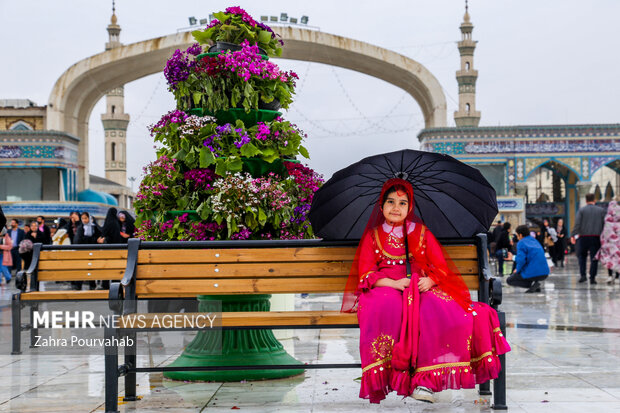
543, 170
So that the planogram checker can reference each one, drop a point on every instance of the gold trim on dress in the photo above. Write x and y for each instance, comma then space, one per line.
488, 353
365, 275
383, 252
376, 363
443, 365
497, 329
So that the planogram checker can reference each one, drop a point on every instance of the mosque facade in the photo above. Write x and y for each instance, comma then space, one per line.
538, 171
39, 167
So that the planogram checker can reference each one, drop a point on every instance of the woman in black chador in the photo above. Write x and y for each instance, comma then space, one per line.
111, 231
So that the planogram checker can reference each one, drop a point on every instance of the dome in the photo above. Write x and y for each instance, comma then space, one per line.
111, 199
88, 195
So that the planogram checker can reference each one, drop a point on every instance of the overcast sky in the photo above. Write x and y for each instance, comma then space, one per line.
539, 62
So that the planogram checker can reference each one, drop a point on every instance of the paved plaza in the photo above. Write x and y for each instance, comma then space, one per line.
565, 358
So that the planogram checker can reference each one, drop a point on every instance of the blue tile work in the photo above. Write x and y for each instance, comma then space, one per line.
37, 152
52, 209
522, 146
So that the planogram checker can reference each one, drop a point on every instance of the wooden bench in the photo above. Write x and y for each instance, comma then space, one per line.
52, 263
186, 269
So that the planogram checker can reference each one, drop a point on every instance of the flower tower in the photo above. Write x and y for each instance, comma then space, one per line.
228, 169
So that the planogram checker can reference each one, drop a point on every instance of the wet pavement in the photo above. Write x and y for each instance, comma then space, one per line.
565, 358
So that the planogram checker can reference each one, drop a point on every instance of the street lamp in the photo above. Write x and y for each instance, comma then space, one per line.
131, 179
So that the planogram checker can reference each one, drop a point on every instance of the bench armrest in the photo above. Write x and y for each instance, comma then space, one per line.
133, 245
496, 293
483, 257
21, 278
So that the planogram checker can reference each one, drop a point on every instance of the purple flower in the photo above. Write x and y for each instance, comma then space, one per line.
194, 49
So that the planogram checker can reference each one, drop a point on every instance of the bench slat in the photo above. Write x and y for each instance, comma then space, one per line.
84, 255
66, 295
193, 287
268, 270
262, 270
245, 255
81, 275
198, 256
82, 264
254, 318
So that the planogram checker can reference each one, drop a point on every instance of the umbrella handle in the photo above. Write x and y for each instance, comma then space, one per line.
407, 263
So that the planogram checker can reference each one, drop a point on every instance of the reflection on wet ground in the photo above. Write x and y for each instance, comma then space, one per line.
566, 357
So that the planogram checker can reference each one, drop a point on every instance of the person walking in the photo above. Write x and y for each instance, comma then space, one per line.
531, 263
6, 245
111, 230
504, 245
26, 246
17, 236
73, 224
127, 223
560, 246
110, 234
45, 238
87, 233
588, 227
495, 236
609, 253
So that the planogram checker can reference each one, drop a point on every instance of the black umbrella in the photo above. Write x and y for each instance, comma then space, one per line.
452, 199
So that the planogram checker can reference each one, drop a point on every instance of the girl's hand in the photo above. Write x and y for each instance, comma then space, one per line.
401, 284
425, 284
100, 240
124, 235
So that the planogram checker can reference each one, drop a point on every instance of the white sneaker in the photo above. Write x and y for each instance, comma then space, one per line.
424, 394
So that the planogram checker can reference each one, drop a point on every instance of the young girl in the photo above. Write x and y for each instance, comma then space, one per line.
422, 334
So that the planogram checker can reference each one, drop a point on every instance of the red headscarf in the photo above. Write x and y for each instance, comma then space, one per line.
427, 254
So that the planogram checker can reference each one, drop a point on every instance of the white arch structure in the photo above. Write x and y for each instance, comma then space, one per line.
79, 88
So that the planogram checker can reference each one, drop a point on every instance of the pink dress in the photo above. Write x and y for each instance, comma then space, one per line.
451, 347
609, 253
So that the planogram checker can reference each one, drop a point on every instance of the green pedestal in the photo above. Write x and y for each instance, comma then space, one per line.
234, 347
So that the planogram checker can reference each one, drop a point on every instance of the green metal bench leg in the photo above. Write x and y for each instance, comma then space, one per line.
111, 373
499, 384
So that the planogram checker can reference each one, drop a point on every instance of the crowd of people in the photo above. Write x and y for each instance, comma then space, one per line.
16, 242
596, 233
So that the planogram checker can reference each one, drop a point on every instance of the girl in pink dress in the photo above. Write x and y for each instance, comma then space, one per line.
419, 334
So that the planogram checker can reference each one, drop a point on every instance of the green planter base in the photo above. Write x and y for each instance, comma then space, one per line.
234, 347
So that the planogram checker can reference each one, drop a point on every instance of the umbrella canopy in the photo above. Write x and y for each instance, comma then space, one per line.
451, 198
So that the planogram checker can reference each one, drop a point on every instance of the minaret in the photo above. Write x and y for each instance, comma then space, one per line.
467, 115
115, 120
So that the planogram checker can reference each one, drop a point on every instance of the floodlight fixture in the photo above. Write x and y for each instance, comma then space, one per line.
304, 19
273, 18
211, 17
264, 18
293, 20
204, 21
192, 21
283, 17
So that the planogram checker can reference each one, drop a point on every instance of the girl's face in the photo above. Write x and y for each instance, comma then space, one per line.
75, 217
33, 226
396, 207
85, 219
560, 222
121, 217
